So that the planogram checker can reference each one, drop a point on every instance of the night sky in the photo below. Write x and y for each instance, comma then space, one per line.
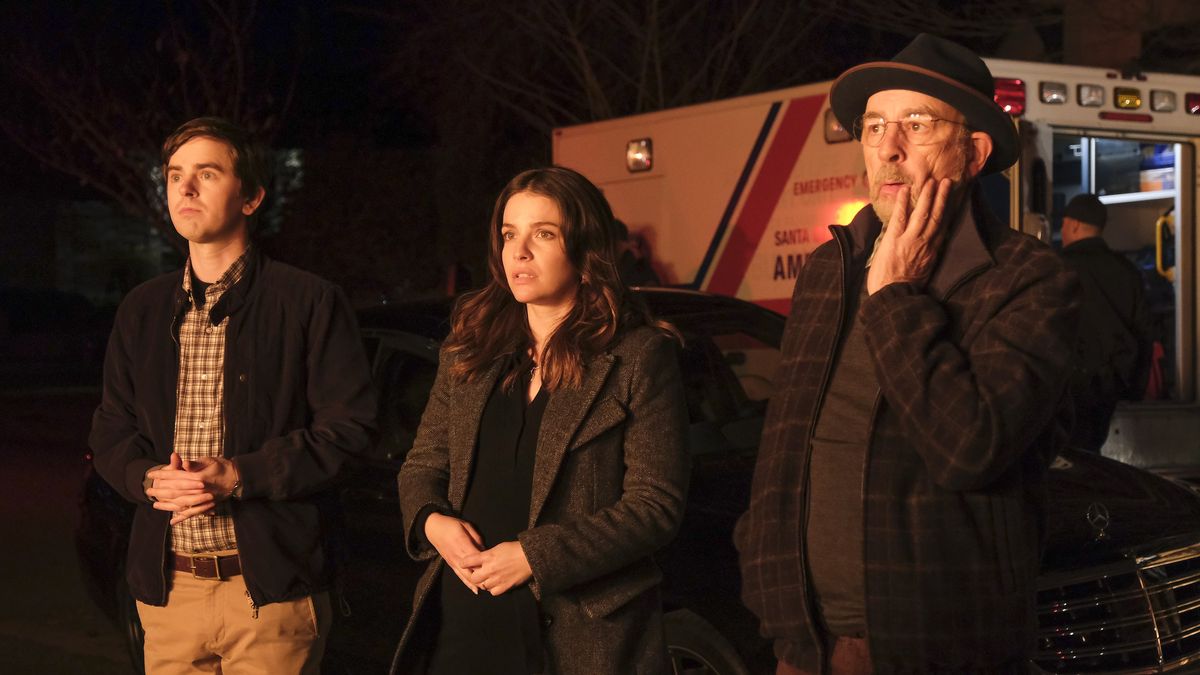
411, 115
333, 63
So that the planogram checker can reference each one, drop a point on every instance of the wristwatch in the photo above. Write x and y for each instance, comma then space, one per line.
235, 492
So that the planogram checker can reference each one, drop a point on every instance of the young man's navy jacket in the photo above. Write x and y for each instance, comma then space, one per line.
298, 402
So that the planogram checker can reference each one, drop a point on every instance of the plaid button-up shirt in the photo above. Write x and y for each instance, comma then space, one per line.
199, 417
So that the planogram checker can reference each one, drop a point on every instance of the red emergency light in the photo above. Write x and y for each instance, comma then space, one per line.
1191, 103
1126, 117
1010, 95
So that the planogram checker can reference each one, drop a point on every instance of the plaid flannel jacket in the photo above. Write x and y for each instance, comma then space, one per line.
972, 371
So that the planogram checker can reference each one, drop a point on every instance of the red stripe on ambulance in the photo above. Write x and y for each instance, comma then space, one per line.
772, 179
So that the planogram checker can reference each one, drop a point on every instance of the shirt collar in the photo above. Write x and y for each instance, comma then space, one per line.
232, 275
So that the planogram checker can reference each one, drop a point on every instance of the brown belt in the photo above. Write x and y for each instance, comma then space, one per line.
204, 566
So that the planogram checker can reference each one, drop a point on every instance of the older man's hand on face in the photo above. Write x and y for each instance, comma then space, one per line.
911, 243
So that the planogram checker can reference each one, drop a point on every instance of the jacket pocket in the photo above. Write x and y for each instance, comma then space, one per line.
605, 415
605, 595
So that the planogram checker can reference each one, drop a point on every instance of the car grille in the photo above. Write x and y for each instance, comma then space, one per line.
1140, 616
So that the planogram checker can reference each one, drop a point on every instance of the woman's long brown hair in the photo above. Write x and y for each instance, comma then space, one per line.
489, 323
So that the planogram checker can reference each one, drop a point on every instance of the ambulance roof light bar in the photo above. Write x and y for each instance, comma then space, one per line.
1010, 96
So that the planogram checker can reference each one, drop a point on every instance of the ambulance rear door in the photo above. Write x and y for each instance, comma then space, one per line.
1147, 181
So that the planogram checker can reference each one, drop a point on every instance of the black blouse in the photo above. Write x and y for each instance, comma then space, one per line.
482, 633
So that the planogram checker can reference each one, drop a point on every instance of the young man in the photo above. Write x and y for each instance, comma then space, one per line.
896, 509
234, 389
1113, 352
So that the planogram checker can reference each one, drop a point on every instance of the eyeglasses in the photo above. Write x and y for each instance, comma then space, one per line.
917, 128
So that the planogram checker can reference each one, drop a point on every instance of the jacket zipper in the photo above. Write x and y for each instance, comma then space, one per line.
226, 402
809, 609
162, 566
866, 477
175, 318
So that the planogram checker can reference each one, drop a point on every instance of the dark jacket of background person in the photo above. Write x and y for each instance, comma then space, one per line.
1113, 351
609, 488
298, 403
972, 372
636, 270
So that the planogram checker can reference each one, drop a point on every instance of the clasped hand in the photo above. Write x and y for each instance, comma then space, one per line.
495, 570
909, 248
188, 488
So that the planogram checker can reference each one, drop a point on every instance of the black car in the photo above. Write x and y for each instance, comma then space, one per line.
1120, 585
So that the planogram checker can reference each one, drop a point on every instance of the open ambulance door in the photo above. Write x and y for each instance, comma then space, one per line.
1148, 183
1030, 196
1019, 194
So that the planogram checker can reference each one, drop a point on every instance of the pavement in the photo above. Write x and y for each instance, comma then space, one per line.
47, 622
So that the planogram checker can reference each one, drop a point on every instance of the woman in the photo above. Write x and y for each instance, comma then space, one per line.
550, 462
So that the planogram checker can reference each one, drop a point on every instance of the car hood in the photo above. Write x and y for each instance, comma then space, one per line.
1101, 510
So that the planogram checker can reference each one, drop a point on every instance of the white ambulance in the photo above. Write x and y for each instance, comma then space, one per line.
732, 196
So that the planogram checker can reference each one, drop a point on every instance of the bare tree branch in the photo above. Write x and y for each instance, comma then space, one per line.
964, 21
104, 111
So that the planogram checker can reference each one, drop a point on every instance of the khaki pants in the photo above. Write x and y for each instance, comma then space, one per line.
211, 627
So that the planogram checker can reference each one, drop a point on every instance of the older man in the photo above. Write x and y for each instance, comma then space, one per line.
897, 507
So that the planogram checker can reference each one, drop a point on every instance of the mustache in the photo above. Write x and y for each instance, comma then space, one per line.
891, 174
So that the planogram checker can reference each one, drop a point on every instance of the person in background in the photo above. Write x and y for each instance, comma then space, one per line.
897, 505
551, 460
234, 390
634, 262
1112, 356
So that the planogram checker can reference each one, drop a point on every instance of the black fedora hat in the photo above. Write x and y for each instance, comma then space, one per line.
944, 70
